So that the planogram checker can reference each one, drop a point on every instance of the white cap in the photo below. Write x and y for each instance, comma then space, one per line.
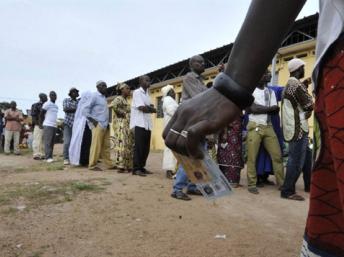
294, 64
166, 89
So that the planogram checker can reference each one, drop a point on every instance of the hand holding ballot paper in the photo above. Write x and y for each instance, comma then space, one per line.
206, 174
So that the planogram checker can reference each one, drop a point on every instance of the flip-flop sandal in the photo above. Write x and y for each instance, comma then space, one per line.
181, 196
296, 197
96, 169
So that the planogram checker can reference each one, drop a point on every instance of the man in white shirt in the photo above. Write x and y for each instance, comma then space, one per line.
141, 122
49, 117
260, 130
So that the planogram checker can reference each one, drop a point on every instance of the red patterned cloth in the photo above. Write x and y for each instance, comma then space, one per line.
325, 224
229, 153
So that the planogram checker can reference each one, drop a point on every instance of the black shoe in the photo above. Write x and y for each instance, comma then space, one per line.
268, 182
180, 196
139, 173
147, 171
194, 192
169, 174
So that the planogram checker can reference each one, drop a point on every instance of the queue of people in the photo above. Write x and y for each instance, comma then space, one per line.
256, 134
86, 128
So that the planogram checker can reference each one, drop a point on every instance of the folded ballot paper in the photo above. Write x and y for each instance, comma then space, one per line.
207, 176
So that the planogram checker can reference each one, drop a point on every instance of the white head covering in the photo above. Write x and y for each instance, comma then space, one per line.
122, 85
294, 64
166, 89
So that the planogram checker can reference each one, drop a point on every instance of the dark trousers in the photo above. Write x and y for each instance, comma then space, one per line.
49, 140
307, 169
296, 161
85, 146
141, 148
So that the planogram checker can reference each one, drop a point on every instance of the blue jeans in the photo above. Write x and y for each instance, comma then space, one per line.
182, 181
296, 161
67, 136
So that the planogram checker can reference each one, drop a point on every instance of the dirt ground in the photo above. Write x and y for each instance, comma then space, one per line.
48, 210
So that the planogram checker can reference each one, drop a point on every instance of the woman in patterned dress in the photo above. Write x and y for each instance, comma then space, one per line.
229, 153
122, 138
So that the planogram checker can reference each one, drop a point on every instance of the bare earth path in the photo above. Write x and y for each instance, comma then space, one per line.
135, 216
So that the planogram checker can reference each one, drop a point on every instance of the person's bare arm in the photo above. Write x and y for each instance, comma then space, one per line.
261, 34
266, 25
261, 109
41, 118
147, 109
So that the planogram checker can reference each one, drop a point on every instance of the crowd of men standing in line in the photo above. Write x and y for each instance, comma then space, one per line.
87, 140
86, 128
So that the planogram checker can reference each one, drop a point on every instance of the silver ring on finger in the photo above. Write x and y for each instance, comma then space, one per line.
184, 133
175, 132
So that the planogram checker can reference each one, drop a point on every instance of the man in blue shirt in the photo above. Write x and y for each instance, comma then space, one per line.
97, 115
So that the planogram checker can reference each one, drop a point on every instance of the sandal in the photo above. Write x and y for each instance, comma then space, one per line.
295, 197
235, 185
96, 169
253, 190
180, 196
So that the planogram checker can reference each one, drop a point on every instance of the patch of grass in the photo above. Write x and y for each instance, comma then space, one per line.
9, 210
55, 166
82, 186
34, 195
36, 254
39, 166
19, 169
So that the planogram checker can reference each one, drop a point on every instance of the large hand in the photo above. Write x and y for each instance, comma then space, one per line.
204, 114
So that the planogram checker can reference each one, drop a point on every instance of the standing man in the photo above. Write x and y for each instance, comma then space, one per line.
297, 107
37, 143
97, 114
192, 86
260, 130
48, 117
13, 119
1, 129
69, 107
141, 122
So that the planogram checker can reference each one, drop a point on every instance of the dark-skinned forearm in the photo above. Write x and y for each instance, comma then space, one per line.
260, 36
259, 109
